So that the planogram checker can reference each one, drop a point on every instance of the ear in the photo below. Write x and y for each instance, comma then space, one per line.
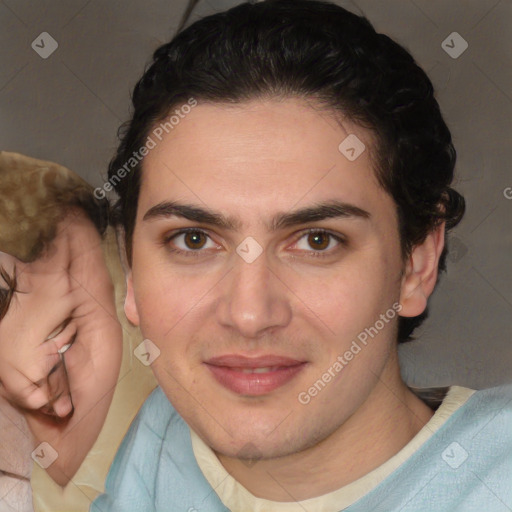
130, 307
421, 272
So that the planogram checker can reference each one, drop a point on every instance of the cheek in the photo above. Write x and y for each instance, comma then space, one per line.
168, 304
351, 296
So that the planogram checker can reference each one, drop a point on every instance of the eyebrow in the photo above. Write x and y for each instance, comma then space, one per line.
325, 210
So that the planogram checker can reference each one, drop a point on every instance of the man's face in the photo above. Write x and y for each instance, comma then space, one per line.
243, 336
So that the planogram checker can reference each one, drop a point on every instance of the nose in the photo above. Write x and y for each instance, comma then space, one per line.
253, 300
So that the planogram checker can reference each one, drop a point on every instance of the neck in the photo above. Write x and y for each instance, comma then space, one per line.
388, 419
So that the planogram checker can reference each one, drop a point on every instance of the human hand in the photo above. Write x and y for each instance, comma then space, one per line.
93, 359
35, 329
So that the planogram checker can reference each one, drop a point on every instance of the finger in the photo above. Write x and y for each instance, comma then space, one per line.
63, 337
25, 396
27, 386
32, 319
58, 386
63, 406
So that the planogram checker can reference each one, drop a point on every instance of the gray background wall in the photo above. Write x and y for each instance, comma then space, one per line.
67, 108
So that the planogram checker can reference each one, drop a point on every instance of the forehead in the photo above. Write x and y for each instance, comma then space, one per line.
260, 157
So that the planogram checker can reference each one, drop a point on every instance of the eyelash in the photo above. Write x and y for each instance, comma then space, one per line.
342, 242
190, 253
197, 253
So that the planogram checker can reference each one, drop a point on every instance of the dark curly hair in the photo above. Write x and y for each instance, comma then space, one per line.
319, 51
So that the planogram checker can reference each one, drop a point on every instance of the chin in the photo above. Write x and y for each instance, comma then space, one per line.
248, 438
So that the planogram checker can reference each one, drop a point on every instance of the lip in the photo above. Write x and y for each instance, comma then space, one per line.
254, 376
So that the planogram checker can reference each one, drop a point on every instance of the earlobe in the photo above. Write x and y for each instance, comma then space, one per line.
130, 307
421, 272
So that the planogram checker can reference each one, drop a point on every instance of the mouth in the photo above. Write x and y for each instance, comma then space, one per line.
254, 376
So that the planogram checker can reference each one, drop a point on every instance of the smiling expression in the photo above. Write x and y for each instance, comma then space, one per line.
260, 252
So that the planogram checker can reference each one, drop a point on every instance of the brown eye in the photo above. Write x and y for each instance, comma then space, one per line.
195, 239
319, 241
191, 242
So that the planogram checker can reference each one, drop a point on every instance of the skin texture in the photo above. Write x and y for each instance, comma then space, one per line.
72, 277
251, 162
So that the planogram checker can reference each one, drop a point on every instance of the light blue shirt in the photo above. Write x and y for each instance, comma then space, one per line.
466, 466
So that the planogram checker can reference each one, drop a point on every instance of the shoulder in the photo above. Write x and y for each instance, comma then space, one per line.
148, 429
156, 411
472, 453
485, 423
155, 469
481, 426
465, 465
489, 408
133, 474
501, 394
